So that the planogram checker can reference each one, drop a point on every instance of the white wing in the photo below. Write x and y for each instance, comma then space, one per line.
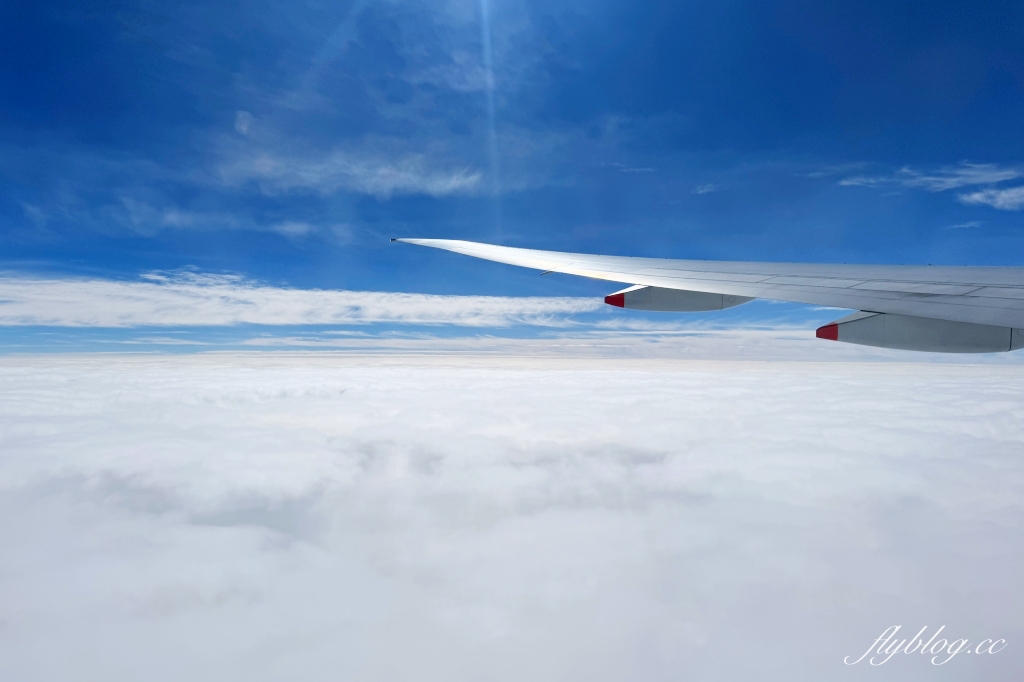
979, 295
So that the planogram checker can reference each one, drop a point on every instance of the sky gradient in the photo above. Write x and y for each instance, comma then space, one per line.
286, 142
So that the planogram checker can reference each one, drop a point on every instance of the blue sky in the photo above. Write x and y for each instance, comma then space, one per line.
285, 142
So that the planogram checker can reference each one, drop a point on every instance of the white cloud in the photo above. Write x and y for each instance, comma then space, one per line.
942, 179
208, 300
617, 346
324, 517
372, 171
1009, 199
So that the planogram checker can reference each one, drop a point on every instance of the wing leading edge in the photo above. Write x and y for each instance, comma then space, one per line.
973, 296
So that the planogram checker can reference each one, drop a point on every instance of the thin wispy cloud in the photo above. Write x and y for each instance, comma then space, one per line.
149, 215
143, 216
624, 168
243, 121
426, 141
212, 300
832, 171
940, 180
964, 175
462, 73
955, 177
365, 171
129, 196
1009, 199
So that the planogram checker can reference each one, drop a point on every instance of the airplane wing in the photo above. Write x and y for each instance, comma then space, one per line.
913, 307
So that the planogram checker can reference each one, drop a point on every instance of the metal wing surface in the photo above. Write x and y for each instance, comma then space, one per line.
986, 295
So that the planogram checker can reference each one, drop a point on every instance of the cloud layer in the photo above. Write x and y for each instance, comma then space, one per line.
211, 300
321, 518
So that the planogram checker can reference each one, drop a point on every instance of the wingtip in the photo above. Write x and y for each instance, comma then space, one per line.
617, 300
830, 332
